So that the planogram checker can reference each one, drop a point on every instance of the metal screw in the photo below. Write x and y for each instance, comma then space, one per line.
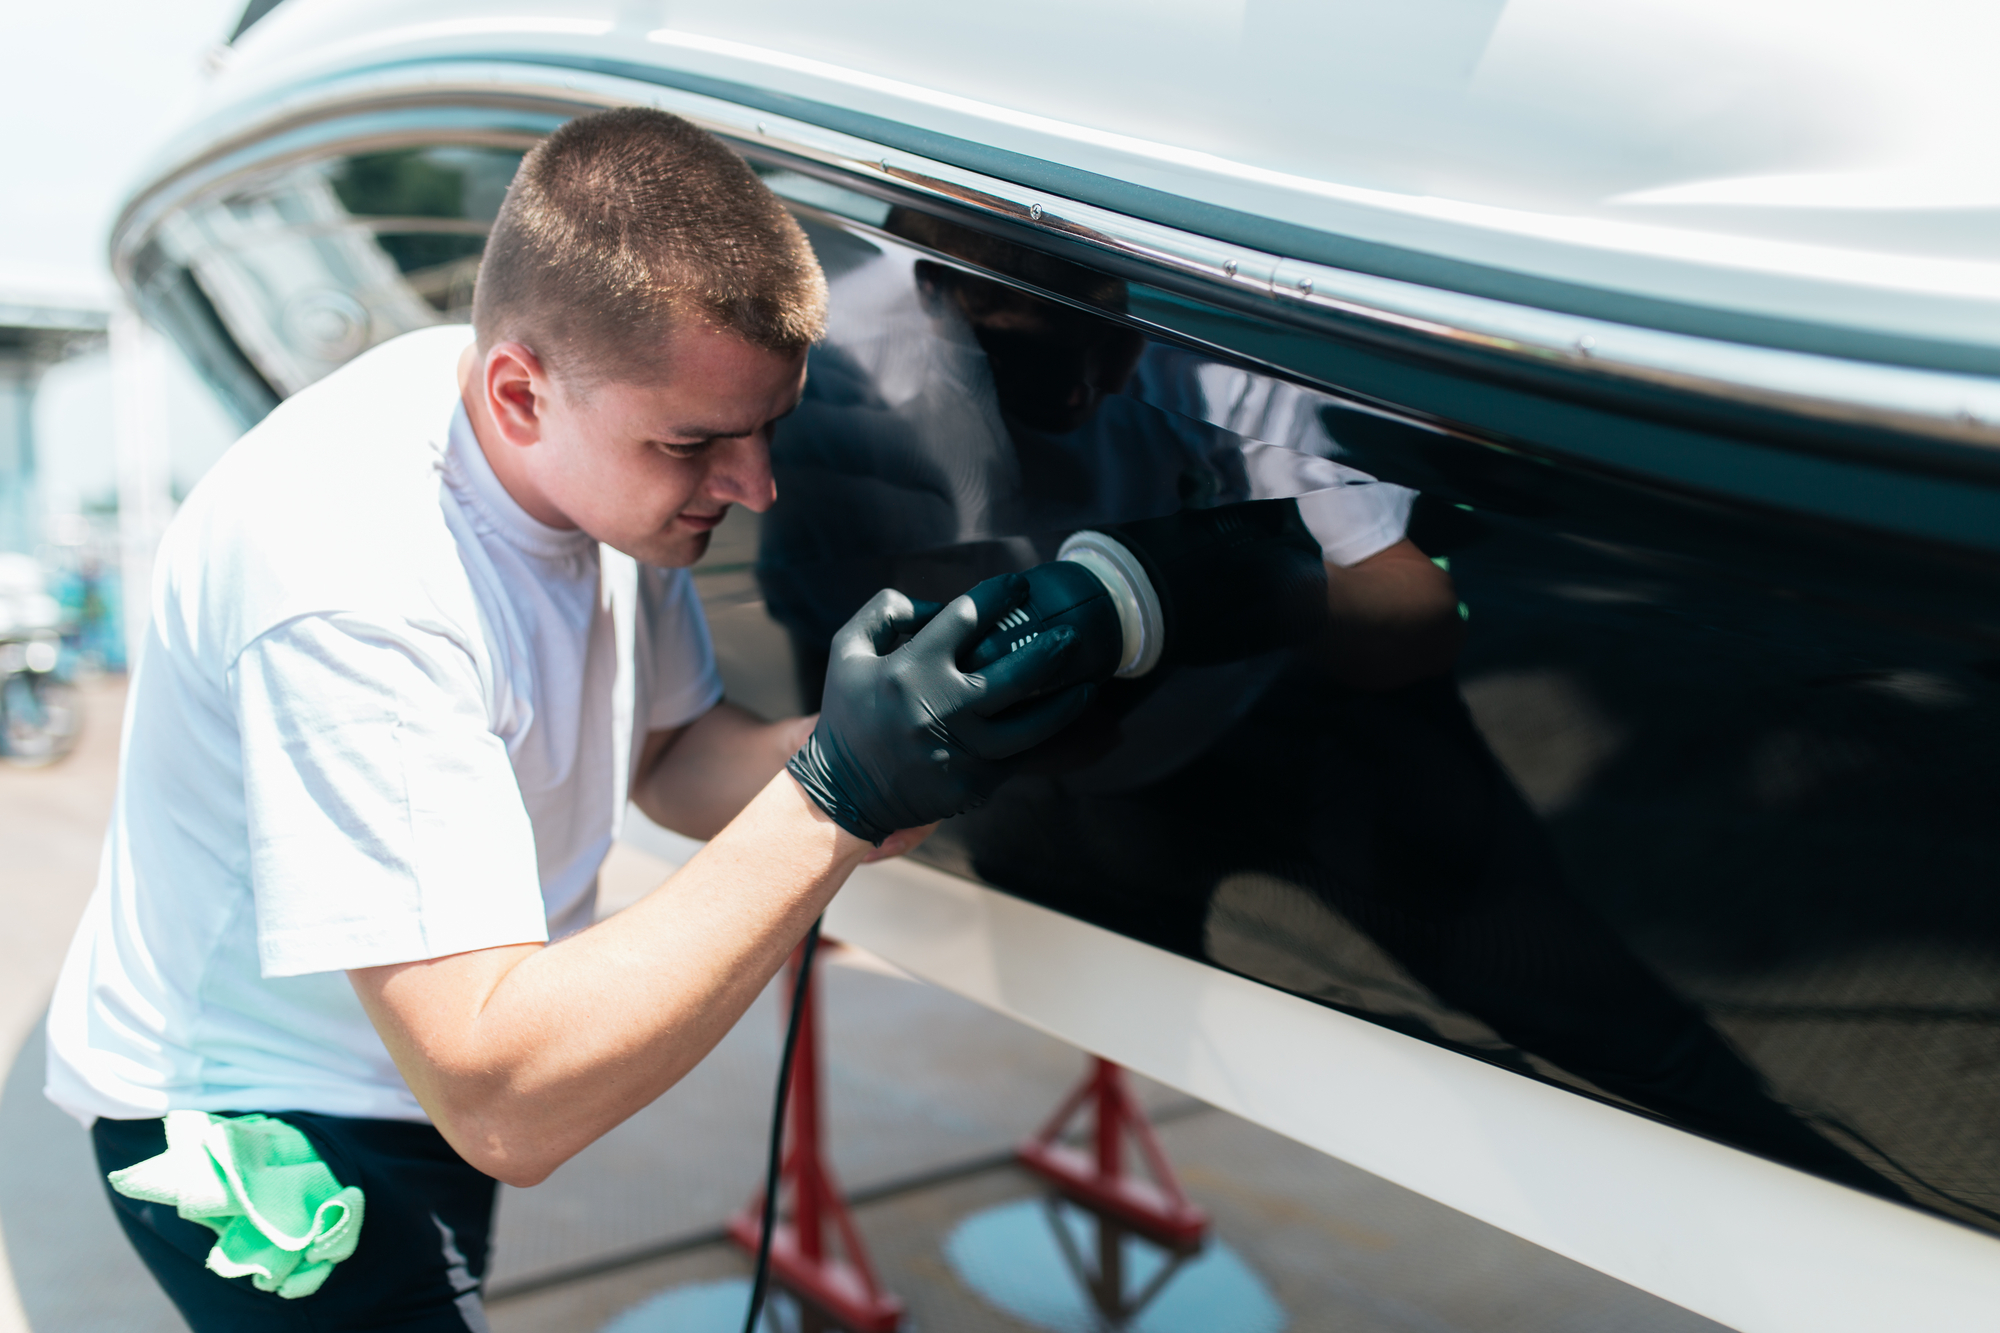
1035, 212
1586, 345
1305, 286
761, 129
1229, 267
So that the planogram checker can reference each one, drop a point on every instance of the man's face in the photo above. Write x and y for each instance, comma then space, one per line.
650, 469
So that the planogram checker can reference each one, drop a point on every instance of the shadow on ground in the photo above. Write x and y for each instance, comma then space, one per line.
72, 1266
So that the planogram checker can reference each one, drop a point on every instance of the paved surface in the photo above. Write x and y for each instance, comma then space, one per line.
1340, 1249
51, 825
926, 1094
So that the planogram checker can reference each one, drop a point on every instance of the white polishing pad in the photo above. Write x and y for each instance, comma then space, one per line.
1131, 592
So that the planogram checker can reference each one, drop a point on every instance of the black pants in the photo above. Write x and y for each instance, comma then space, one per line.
424, 1232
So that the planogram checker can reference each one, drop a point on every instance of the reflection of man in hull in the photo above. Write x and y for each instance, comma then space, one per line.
972, 426
1350, 771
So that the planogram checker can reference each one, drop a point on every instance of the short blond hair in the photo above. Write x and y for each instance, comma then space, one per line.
625, 224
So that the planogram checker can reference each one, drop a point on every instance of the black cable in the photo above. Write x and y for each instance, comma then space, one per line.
771, 1166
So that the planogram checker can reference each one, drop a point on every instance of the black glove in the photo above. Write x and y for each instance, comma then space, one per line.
905, 738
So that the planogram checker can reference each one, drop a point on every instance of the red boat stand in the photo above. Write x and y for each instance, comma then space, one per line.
840, 1284
1156, 1208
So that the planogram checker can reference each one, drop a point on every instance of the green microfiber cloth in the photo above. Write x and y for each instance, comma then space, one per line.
278, 1214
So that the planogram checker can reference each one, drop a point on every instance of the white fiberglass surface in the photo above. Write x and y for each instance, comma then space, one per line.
1790, 159
1756, 1246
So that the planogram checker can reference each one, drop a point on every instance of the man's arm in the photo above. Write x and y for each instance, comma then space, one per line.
524, 1054
694, 779
1394, 619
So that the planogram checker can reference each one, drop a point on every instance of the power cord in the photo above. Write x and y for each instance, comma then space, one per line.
760, 1282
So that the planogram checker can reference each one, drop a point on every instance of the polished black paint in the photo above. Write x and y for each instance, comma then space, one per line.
1701, 823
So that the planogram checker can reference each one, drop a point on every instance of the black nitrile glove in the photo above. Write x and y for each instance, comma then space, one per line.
905, 738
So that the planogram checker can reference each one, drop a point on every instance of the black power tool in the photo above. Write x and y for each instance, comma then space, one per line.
1198, 587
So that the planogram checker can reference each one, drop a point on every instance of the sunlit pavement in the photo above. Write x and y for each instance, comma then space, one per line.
926, 1093
51, 825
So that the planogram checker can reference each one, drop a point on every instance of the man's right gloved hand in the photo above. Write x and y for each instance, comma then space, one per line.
905, 738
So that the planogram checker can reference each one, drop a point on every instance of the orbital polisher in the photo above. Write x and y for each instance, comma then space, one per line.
1198, 587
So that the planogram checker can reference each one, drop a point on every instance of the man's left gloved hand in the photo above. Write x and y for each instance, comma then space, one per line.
905, 737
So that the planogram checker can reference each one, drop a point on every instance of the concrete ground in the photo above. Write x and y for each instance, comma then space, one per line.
926, 1093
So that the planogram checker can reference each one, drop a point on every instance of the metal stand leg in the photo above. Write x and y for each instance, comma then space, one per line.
1157, 1208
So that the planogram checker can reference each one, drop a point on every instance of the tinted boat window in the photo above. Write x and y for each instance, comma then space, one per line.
1654, 832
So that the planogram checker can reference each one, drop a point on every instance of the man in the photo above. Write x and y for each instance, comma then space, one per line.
413, 643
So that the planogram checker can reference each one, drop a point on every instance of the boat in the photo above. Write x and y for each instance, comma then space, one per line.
1661, 930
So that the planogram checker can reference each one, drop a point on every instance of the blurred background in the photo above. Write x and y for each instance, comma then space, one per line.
102, 426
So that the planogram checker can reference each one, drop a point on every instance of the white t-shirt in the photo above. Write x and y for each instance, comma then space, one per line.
381, 715
1287, 452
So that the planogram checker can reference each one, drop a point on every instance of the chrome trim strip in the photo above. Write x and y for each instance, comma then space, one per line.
1945, 406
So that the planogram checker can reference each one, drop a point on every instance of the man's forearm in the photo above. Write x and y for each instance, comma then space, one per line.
695, 780
525, 1054
1393, 619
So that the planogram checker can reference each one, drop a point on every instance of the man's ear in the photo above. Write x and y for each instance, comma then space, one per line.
517, 392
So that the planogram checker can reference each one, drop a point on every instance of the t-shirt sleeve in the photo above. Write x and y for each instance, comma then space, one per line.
385, 822
685, 682
1349, 513
1358, 518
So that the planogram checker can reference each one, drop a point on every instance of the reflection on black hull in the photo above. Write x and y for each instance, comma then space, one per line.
1409, 851
1388, 810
